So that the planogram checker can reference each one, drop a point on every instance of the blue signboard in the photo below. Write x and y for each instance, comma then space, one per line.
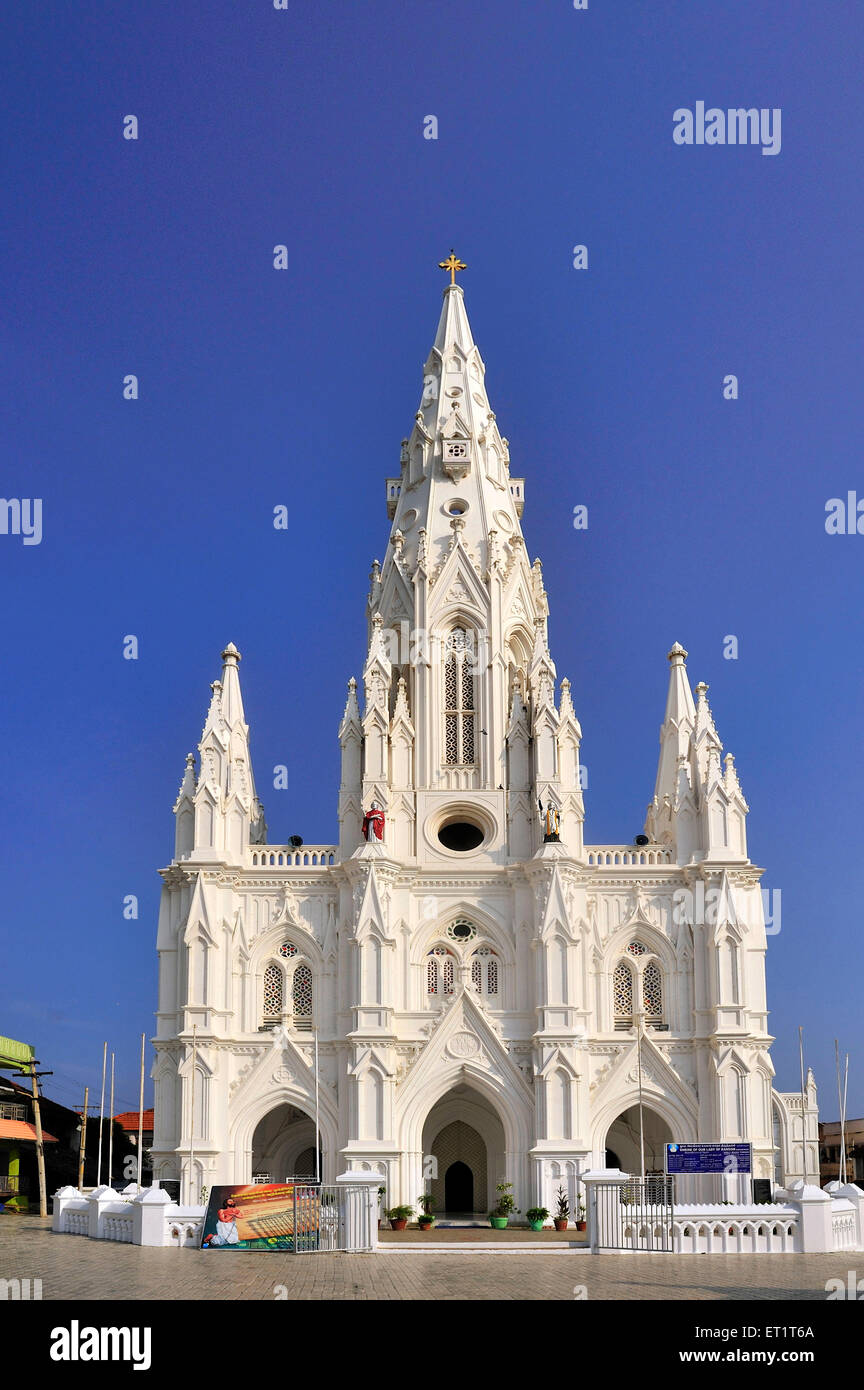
708, 1158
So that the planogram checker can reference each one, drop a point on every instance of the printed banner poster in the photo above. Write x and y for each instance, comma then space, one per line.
262, 1216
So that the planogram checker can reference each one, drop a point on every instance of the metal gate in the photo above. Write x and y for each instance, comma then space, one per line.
315, 1220
634, 1215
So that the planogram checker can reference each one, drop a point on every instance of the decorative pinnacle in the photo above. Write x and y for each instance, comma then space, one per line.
677, 655
452, 264
231, 656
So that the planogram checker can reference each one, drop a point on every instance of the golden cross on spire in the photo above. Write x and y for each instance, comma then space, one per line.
452, 264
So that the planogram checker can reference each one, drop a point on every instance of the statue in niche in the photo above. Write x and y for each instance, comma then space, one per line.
373, 823
551, 819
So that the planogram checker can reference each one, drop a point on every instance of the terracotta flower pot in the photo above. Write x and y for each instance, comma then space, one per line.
398, 1225
581, 1225
560, 1223
425, 1225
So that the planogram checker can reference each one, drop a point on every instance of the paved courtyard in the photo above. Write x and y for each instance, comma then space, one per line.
71, 1267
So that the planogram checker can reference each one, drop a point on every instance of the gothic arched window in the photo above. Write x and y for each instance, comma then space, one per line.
622, 993
459, 710
440, 972
484, 971
652, 992
273, 994
301, 996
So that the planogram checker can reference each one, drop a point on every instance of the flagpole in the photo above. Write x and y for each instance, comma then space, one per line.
111, 1130
803, 1105
141, 1116
843, 1117
192, 1114
639, 1070
317, 1123
101, 1114
842, 1168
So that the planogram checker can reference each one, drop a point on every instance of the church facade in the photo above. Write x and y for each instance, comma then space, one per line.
462, 991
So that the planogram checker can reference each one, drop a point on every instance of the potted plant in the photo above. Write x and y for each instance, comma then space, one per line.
562, 1212
399, 1217
426, 1205
505, 1207
536, 1216
581, 1223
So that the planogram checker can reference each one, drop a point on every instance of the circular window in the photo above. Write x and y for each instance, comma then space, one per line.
461, 836
457, 506
460, 827
461, 930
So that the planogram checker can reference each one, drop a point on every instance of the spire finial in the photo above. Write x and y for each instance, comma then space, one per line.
452, 264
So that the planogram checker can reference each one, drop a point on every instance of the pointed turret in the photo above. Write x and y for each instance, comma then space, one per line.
184, 812
698, 808
350, 790
228, 815
678, 722
377, 676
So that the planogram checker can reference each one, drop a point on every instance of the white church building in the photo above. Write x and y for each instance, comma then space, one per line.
462, 991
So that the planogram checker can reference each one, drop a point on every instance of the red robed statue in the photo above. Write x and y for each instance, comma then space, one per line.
373, 823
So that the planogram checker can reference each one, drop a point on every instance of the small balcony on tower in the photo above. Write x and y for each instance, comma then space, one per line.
394, 487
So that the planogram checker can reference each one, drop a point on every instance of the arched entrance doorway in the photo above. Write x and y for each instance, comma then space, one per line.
459, 1187
463, 1153
622, 1141
283, 1146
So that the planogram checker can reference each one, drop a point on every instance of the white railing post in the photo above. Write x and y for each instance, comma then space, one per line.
61, 1200
599, 1213
359, 1205
148, 1216
815, 1223
97, 1201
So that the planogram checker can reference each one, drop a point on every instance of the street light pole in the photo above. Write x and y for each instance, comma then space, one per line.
638, 1017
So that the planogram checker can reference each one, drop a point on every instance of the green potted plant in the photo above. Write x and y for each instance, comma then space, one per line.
562, 1211
580, 1219
505, 1207
536, 1216
426, 1205
399, 1217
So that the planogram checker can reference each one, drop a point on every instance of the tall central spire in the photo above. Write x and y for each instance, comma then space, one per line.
455, 463
460, 613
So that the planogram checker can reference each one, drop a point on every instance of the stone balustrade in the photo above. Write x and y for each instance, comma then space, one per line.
626, 856
287, 857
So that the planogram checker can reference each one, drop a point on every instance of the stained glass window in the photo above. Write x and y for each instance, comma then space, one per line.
636, 948
286, 949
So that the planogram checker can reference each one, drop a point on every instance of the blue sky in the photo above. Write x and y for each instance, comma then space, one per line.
259, 387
